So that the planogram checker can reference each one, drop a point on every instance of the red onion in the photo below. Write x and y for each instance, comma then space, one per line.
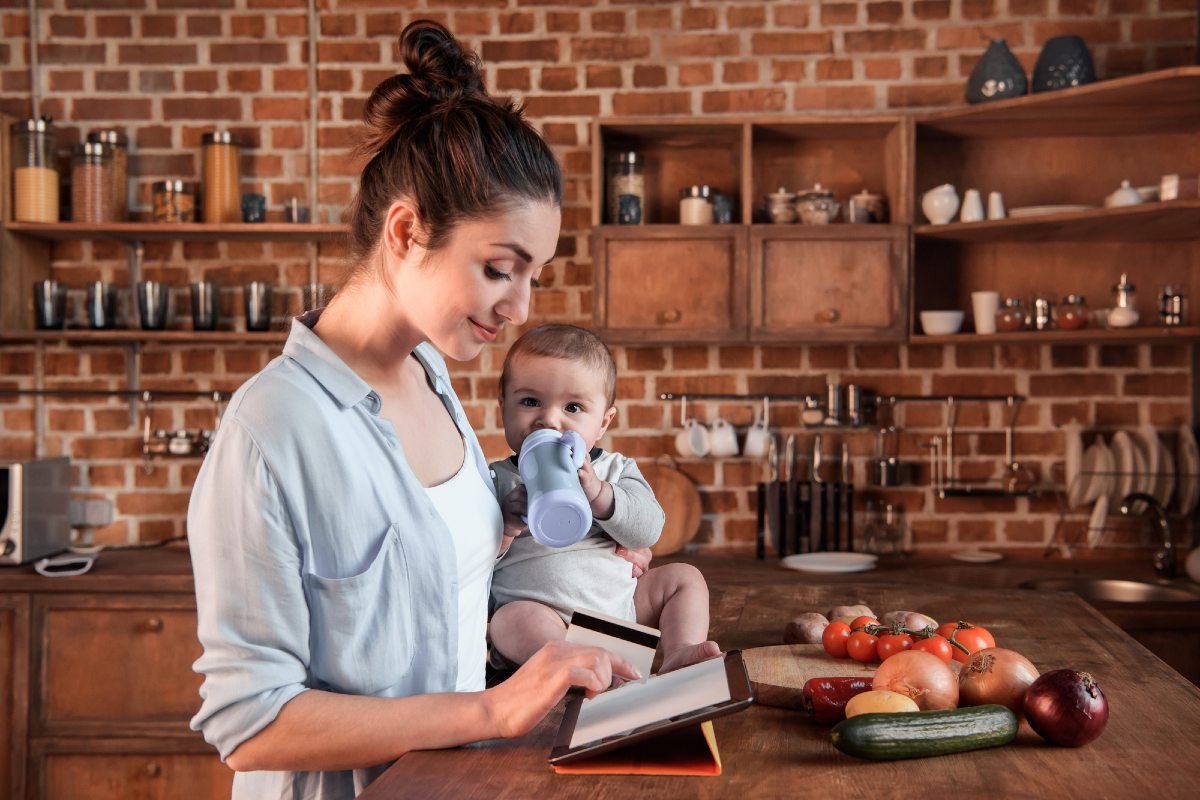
1066, 707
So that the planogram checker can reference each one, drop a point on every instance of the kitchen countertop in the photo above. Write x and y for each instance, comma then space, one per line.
1149, 748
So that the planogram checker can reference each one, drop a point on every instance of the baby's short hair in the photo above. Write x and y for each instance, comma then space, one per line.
570, 342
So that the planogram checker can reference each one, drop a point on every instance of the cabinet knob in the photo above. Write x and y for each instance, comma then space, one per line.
154, 624
674, 315
829, 315
153, 769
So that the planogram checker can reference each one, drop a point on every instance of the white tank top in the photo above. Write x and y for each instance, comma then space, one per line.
472, 514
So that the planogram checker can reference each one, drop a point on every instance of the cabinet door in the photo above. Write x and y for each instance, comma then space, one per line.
14, 692
828, 283
134, 769
671, 283
115, 664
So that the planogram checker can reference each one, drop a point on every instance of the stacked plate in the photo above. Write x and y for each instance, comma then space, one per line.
1134, 461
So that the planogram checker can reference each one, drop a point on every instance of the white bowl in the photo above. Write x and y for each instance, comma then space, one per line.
940, 323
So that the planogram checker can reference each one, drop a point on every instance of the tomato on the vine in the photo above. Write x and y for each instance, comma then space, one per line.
834, 639
938, 645
862, 622
970, 636
862, 647
891, 643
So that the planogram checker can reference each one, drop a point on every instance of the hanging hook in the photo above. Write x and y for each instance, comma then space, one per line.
683, 410
766, 417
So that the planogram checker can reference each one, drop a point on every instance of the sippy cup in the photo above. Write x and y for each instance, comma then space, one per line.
559, 514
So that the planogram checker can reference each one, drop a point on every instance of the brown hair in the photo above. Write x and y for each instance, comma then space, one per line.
436, 137
568, 342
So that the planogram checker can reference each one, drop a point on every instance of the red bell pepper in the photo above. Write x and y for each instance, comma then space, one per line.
826, 698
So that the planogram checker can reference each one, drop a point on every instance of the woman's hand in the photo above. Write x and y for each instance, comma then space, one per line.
518, 704
639, 558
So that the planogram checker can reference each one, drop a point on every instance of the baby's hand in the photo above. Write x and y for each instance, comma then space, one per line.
515, 506
599, 494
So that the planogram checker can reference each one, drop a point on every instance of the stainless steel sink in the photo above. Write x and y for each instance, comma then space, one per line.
1106, 590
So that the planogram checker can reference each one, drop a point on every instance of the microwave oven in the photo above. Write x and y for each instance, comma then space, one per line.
34, 501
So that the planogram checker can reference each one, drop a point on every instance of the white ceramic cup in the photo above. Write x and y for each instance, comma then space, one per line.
984, 305
972, 207
996, 206
757, 438
692, 440
722, 439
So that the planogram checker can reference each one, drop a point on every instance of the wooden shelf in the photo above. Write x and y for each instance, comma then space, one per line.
1182, 335
131, 336
1166, 101
179, 232
1178, 220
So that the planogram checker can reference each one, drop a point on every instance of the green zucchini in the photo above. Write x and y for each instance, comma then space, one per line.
886, 737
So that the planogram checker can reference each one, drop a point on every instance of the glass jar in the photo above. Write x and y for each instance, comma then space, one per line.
1041, 316
118, 145
1172, 305
781, 206
695, 206
35, 176
1010, 316
222, 195
626, 190
817, 206
1073, 313
1123, 314
91, 183
174, 201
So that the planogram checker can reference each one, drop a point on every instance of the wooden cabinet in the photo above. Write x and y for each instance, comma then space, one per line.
142, 769
750, 280
14, 692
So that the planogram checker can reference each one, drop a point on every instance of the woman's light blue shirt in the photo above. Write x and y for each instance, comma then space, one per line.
320, 561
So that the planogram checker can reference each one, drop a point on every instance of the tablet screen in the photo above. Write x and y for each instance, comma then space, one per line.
661, 697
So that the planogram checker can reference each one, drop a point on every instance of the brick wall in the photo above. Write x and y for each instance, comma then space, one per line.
168, 70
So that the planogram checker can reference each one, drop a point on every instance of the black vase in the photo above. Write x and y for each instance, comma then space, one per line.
1064, 62
996, 76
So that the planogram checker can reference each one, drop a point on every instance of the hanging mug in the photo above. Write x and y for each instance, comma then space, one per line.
692, 440
722, 439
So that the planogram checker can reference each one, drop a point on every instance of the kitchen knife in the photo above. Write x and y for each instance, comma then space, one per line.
789, 516
760, 530
848, 482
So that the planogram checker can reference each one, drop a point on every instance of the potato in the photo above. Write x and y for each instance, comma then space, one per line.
880, 701
850, 611
805, 629
913, 620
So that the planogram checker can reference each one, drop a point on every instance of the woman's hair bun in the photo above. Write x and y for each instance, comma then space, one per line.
437, 64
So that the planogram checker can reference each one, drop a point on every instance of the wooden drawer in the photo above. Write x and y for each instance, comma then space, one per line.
134, 769
115, 665
829, 283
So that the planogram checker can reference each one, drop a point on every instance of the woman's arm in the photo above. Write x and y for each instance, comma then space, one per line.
324, 731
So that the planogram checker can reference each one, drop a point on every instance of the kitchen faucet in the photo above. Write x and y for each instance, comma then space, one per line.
1164, 559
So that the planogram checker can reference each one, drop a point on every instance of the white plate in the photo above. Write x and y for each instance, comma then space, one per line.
1189, 470
1097, 521
831, 562
976, 556
1102, 477
1043, 211
1140, 478
1164, 487
1123, 465
1077, 485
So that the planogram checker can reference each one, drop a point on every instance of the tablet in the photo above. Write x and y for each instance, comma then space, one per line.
641, 710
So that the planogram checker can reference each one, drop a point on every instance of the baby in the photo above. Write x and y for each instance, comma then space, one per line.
564, 377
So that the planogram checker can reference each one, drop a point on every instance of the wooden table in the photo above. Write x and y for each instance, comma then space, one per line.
1151, 747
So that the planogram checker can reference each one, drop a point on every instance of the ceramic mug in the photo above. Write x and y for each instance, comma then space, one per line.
985, 305
757, 439
722, 439
692, 440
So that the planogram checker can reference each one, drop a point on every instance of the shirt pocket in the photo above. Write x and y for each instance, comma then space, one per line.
363, 625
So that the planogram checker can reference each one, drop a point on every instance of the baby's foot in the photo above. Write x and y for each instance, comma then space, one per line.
691, 654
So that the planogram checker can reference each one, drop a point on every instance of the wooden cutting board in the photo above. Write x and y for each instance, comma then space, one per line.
680, 501
778, 673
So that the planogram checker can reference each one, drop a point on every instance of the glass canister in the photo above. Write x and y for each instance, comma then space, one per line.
1072, 314
1011, 316
627, 189
695, 206
1123, 314
174, 201
222, 178
35, 177
118, 145
91, 183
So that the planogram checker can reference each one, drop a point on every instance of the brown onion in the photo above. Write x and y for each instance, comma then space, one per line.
920, 676
996, 675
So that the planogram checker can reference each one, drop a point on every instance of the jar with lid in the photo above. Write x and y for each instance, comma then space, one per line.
626, 189
1010, 316
174, 201
1172, 305
35, 176
1041, 317
1123, 314
222, 194
1072, 314
695, 206
781, 206
817, 206
118, 145
91, 183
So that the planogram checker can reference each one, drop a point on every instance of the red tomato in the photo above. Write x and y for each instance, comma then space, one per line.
970, 636
861, 622
938, 645
891, 643
834, 639
862, 646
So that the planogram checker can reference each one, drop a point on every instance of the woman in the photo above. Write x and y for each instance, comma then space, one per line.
343, 527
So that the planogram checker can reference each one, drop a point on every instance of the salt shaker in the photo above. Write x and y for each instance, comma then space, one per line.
1123, 314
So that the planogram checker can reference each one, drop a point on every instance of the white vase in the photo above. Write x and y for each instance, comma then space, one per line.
940, 204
